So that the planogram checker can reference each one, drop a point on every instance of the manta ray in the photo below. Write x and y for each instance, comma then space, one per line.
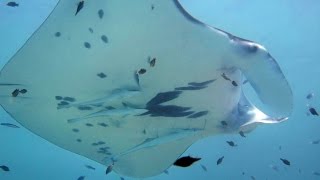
168, 81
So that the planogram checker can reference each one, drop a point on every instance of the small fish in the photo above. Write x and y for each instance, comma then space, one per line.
152, 62
81, 178
22, 91
204, 167
242, 134
285, 161
9, 125
245, 81
252, 177
280, 148
79, 7
315, 141
109, 169
316, 173
90, 167
12, 4
185, 161
121, 178
166, 172
234, 83
225, 77
141, 71
310, 95
219, 161
15, 93
152, 7
5, 168
313, 111
231, 143
224, 123
101, 75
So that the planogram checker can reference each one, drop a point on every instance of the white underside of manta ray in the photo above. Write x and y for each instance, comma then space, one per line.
192, 84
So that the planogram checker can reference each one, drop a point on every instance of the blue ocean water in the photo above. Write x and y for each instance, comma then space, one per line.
289, 29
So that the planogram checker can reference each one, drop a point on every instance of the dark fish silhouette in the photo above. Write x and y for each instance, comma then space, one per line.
79, 7
101, 75
22, 91
225, 77
315, 141
166, 172
252, 177
204, 167
310, 95
90, 167
313, 111
285, 161
152, 62
81, 178
9, 125
5, 168
186, 161
219, 161
15, 93
242, 134
152, 7
12, 4
109, 169
224, 123
231, 143
234, 83
121, 178
316, 173
141, 71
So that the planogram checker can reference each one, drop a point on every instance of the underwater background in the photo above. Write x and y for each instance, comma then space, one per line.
289, 29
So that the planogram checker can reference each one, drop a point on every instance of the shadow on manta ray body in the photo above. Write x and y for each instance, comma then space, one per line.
181, 100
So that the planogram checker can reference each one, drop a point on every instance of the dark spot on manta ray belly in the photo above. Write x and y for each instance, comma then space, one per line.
84, 108
58, 98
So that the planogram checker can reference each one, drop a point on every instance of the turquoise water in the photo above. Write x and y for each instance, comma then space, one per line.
288, 29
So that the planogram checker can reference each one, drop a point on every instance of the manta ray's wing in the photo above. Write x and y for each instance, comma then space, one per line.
156, 58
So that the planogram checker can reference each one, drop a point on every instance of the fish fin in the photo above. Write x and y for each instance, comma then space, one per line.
153, 160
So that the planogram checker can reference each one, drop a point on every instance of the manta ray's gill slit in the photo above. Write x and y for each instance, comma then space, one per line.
198, 114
